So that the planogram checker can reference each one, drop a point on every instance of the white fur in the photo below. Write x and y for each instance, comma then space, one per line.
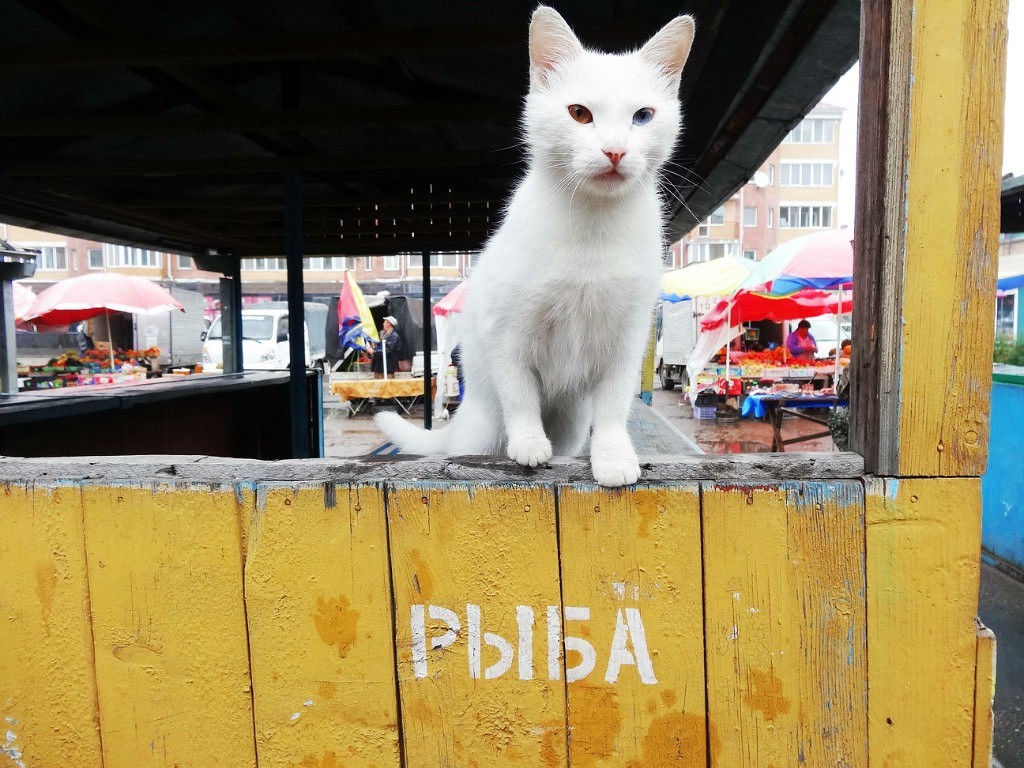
558, 310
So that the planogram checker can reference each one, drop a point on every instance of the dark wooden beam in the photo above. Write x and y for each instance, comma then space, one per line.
249, 120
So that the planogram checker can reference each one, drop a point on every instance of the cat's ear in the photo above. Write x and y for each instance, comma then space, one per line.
551, 42
669, 48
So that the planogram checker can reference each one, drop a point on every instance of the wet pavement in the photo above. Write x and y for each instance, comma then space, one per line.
357, 435
1001, 609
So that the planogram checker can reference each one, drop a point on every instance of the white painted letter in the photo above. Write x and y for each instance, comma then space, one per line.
419, 642
417, 624
503, 646
554, 643
501, 666
524, 618
584, 648
633, 628
473, 629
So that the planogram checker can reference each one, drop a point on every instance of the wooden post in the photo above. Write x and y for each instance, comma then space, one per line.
927, 223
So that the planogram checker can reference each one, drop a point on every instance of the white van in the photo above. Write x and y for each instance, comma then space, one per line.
265, 333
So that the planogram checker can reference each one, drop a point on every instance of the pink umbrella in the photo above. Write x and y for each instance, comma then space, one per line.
80, 298
822, 260
452, 301
23, 300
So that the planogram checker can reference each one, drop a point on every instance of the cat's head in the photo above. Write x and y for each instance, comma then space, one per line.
603, 123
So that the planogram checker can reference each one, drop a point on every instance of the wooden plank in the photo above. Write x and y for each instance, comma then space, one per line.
934, 300
318, 601
923, 548
48, 711
632, 561
984, 694
870, 236
172, 668
785, 623
476, 583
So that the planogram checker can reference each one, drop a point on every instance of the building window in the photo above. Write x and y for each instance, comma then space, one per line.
267, 265
749, 216
95, 258
447, 260
711, 251
1006, 315
805, 217
771, 174
752, 255
718, 217
185, 262
391, 263
414, 260
126, 256
771, 218
806, 175
368, 264
813, 130
50, 256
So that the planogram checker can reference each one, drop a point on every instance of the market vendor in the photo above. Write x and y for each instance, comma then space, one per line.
801, 343
391, 343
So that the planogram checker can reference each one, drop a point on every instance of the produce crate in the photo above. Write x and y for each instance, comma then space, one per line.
700, 412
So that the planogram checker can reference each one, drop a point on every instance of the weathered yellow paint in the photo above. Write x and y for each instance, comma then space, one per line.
172, 672
984, 693
951, 219
923, 549
639, 551
47, 687
785, 623
318, 600
496, 548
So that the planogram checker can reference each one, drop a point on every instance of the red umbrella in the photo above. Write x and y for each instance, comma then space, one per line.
452, 301
747, 307
23, 300
80, 298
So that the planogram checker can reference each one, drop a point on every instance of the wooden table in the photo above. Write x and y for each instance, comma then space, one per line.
357, 393
774, 407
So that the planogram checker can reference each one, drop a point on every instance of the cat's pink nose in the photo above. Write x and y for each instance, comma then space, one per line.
615, 155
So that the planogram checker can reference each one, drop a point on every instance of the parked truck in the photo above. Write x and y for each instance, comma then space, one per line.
265, 333
178, 335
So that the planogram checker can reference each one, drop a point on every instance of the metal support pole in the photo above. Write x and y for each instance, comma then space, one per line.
8, 351
231, 319
428, 401
296, 316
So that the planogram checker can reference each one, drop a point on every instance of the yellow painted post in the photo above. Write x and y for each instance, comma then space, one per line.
984, 694
785, 624
318, 600
172, 662
647, 369
476, 585
48, 712
928, 278
923, 548
632, 562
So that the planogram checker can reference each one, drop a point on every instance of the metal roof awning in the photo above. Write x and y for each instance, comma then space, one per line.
172, 125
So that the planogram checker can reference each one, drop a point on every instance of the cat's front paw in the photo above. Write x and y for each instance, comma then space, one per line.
615, 468
530, 451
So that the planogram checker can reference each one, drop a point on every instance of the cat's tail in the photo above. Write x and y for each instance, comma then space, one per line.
410, 438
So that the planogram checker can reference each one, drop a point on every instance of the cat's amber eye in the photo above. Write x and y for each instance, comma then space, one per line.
643, 116
580, 113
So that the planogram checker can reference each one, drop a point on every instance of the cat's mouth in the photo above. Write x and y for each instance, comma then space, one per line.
611, 174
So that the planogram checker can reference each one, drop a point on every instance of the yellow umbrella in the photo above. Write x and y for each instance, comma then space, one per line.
719, 277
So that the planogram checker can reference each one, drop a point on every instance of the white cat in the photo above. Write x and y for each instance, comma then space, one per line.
557, 313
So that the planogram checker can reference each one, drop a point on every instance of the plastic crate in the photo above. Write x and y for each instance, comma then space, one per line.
700, 412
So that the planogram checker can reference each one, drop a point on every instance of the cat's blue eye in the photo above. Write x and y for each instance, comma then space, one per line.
643, 116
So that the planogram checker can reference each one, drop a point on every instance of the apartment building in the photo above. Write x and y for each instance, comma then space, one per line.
63, 256
796, 191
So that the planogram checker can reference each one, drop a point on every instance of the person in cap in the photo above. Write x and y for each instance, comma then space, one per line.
801, 343
390, 342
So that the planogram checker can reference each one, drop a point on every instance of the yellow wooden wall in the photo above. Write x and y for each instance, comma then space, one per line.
482, 625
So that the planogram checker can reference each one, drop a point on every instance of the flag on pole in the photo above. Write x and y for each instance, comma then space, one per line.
355, 323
